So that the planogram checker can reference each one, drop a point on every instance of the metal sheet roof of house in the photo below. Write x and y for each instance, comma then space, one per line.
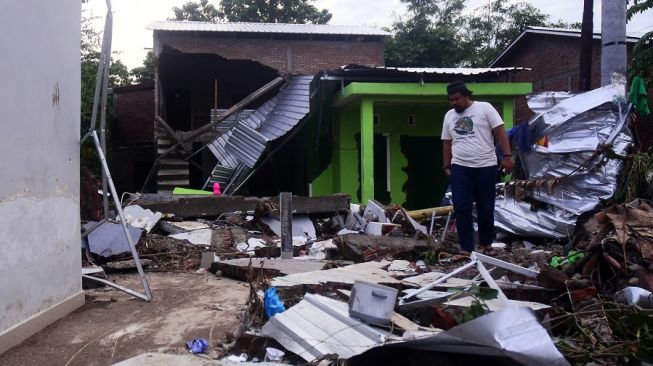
467, 71
241, 27
454, 70
230, 121
630, 38
246, 140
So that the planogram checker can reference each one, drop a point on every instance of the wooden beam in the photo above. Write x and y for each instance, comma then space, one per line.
427, 212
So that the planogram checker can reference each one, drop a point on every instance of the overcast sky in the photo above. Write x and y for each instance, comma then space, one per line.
131, 17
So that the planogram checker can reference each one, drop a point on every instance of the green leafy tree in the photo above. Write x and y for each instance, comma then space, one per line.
642, 61
273, 11
265, 11
145, 73
436, 33
428, 36
197, 11
491, 28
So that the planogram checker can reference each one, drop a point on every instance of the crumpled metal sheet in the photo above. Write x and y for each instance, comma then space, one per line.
513, 332
576, 127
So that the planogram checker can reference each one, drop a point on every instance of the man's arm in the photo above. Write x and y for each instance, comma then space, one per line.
446, 156
504, 144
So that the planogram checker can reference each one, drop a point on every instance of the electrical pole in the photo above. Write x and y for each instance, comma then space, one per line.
586, 40
613, 39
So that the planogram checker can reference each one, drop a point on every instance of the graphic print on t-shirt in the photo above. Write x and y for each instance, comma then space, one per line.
464, 125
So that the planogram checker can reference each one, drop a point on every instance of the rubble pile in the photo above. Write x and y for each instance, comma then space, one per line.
333, 282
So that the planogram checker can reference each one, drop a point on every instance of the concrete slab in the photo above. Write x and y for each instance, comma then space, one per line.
212, 206
164, 359
334, 279
238, 268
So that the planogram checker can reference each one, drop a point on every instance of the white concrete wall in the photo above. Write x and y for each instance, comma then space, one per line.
39, 163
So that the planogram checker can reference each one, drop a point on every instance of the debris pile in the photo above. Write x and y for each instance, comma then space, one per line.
333, 282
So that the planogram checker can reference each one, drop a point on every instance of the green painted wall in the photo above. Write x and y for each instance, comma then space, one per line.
394, 122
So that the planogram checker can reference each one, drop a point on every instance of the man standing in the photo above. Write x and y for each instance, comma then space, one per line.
469, 133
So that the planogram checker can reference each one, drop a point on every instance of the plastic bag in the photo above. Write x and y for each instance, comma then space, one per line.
197, 345
272, 302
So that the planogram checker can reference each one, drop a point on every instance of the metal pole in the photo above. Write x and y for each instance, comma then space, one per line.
285, 213
446, 227
123, 221
103, 111
98, 79
432, 221
586, 40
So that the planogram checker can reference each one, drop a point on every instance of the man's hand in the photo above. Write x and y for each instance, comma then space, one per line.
447, 172
506, 164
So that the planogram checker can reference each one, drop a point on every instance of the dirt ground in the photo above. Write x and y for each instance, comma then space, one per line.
113, 326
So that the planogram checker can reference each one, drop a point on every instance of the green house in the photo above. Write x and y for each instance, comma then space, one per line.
385, 125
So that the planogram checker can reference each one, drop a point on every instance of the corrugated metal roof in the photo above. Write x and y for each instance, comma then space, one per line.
319, 326
453, 70
630, 38
238, 27
230, 121
246, 140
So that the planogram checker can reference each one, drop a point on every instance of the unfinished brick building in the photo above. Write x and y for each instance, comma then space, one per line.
553, 57
202, 68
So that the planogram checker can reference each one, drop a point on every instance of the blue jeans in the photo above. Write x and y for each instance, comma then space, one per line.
469, 185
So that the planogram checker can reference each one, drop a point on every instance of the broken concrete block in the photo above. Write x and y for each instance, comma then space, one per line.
362, 248
208, 259
401, 269
239, 268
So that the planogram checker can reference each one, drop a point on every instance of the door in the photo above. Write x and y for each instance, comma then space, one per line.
426, 183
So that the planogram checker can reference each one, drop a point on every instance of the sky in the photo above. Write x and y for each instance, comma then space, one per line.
132, 40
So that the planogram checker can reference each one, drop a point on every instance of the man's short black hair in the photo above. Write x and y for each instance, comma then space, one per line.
458, 86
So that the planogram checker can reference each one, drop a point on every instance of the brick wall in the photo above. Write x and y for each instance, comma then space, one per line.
286, 56
554, 61
134, 107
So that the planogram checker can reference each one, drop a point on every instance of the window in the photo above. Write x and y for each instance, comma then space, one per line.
411, 120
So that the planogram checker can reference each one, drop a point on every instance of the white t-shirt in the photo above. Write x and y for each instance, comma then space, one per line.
471, 135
